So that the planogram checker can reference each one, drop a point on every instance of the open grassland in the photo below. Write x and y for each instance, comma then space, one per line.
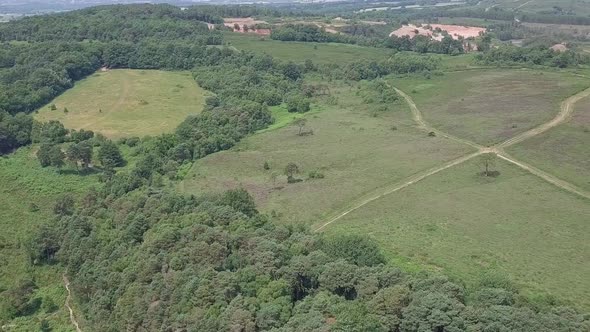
489, 106
353, 146
125, 103
24, 183
301, 51
465, 224
563, 151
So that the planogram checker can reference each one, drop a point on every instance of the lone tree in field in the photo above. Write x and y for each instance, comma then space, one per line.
290, 170
487, 162
301, 122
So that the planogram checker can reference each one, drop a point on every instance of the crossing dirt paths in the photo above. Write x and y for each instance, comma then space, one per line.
565, 112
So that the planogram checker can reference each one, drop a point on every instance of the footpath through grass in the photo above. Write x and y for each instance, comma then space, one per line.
464, 224
126, 103
356, 146
562, 151
489, 106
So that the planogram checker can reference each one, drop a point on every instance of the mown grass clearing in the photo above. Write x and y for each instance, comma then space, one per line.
490, 106
125, 103
301, 51
466, 224
354, 145
562, 151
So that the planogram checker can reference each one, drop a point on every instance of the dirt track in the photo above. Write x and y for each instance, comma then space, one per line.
566, 110
399, 186
417, 116
68, 300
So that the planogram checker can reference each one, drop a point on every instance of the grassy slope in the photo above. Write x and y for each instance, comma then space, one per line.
122, 97
562, 151
24, 182
464, 224
356, 151
300, 51
489, 106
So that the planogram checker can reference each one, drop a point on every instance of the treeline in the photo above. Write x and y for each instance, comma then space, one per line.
540, 55
510, 15
309, 33
117, 22
399, 63
64, 48
241, 11
421, 44
425, 44
495, 13
31, 74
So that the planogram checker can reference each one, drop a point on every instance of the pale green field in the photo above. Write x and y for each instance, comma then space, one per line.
492, 105
563, 151
125, 103
301, 51
463, 224
353, 145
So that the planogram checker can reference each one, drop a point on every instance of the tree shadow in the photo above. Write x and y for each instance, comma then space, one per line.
82, 172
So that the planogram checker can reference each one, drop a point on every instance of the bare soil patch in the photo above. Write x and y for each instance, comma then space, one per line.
246, 25
435, 31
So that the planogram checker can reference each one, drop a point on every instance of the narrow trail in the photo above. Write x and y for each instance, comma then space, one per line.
419, 119
399, 186
545, 176
68, 306
566, 110
524, 4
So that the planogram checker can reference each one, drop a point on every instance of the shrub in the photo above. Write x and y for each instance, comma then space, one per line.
315, 175
354, 248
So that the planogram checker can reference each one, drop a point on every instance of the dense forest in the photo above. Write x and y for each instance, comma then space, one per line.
151, 260
144, 258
